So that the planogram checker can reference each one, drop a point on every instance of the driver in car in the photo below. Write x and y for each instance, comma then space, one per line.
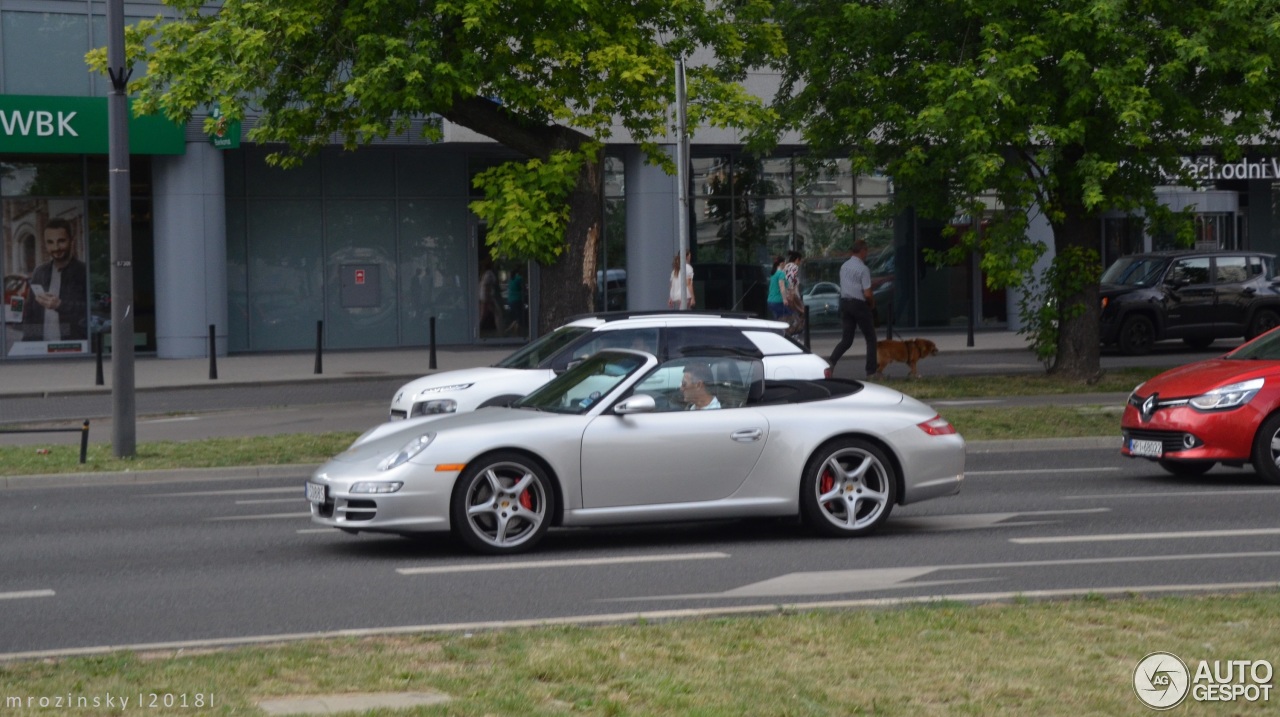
693, 388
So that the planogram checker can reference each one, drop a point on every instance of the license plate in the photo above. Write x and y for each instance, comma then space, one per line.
1149, 449
316, 492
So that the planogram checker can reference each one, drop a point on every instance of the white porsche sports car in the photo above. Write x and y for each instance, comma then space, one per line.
621, 438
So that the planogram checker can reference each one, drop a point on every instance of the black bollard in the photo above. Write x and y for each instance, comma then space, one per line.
84, 440
97, 350
431, 364
213, 354
319, 342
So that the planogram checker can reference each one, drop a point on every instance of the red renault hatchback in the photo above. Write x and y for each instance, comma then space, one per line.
1222, 410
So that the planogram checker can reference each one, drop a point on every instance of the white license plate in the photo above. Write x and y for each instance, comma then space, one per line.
1149, 449
316, 493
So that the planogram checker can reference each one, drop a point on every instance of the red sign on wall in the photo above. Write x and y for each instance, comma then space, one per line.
359, 276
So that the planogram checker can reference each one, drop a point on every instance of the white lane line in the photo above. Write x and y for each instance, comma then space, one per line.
1179, 494
264, 516
23, 594
1115, 537
581, 562
176, 419
263, 501
1033, 471
297, 490
627, 618
307, 531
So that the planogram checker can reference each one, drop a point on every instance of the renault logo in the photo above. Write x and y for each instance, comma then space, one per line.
1149, 407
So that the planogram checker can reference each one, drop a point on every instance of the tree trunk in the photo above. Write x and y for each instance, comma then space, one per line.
1079, 338
568, 287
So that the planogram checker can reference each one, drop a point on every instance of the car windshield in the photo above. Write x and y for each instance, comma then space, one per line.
578, 389
535, 353
1134, 271
1265, 348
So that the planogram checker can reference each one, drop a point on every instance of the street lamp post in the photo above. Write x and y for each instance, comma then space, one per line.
123, 410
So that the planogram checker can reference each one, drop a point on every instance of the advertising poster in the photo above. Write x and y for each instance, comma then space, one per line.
46, 279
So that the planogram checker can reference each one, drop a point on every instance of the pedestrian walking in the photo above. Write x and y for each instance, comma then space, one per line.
857, 306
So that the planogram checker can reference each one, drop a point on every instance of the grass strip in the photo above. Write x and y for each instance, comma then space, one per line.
1061, 658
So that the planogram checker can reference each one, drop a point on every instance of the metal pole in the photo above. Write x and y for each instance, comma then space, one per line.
97, 353
431, 363
123, 409
213, 352
84, 441
319, 346
682, 182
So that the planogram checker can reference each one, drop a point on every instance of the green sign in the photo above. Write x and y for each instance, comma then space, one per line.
226, 132
31, 124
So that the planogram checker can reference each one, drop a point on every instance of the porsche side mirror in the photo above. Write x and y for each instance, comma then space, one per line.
640, 403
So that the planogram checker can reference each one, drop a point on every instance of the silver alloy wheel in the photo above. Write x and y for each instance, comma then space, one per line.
853, 490
506, 504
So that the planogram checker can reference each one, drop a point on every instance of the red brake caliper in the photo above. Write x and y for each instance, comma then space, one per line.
826, 483
526, 500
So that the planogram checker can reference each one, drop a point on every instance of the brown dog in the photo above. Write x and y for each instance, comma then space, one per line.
908, 352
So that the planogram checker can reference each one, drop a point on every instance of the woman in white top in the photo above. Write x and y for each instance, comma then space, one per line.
673, 296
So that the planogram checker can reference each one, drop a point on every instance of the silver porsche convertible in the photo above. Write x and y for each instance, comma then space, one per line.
620, 438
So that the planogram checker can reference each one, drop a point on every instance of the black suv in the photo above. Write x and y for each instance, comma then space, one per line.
1196, 296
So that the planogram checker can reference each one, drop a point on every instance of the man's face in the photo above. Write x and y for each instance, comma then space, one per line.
57, 242
690, 387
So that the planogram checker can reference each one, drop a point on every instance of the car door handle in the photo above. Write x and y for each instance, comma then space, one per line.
747, 436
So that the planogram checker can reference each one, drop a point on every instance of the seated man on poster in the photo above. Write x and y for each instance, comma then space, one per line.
56, 308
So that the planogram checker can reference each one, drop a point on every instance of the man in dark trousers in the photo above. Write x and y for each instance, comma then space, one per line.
857, 304
57, 305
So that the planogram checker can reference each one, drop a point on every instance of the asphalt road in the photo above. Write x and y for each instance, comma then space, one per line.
225, 562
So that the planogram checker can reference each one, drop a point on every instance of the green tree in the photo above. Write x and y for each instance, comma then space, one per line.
1070, 108
550, 79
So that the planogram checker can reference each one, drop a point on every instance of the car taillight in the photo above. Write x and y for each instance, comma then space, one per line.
826, 372
937, 426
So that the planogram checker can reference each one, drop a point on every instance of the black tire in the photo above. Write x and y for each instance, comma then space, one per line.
503, 503
1187, 469
1198, 343
1263, 321
1266, 449
1137, 335
849, 488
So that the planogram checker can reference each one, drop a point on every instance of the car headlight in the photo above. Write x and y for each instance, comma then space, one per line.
1237, 394
373, 487
429, 408
410, 449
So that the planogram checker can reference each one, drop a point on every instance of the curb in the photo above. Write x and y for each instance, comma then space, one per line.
215, 384
181, 475
173, 475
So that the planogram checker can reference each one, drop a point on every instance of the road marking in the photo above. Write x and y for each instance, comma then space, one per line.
296, 490
573, 563
1180, 494
306, 531
626, 618
176, 419
264, 516
23, 594
976, 521
1114, 537
263, 501
831, 582
1031, 471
